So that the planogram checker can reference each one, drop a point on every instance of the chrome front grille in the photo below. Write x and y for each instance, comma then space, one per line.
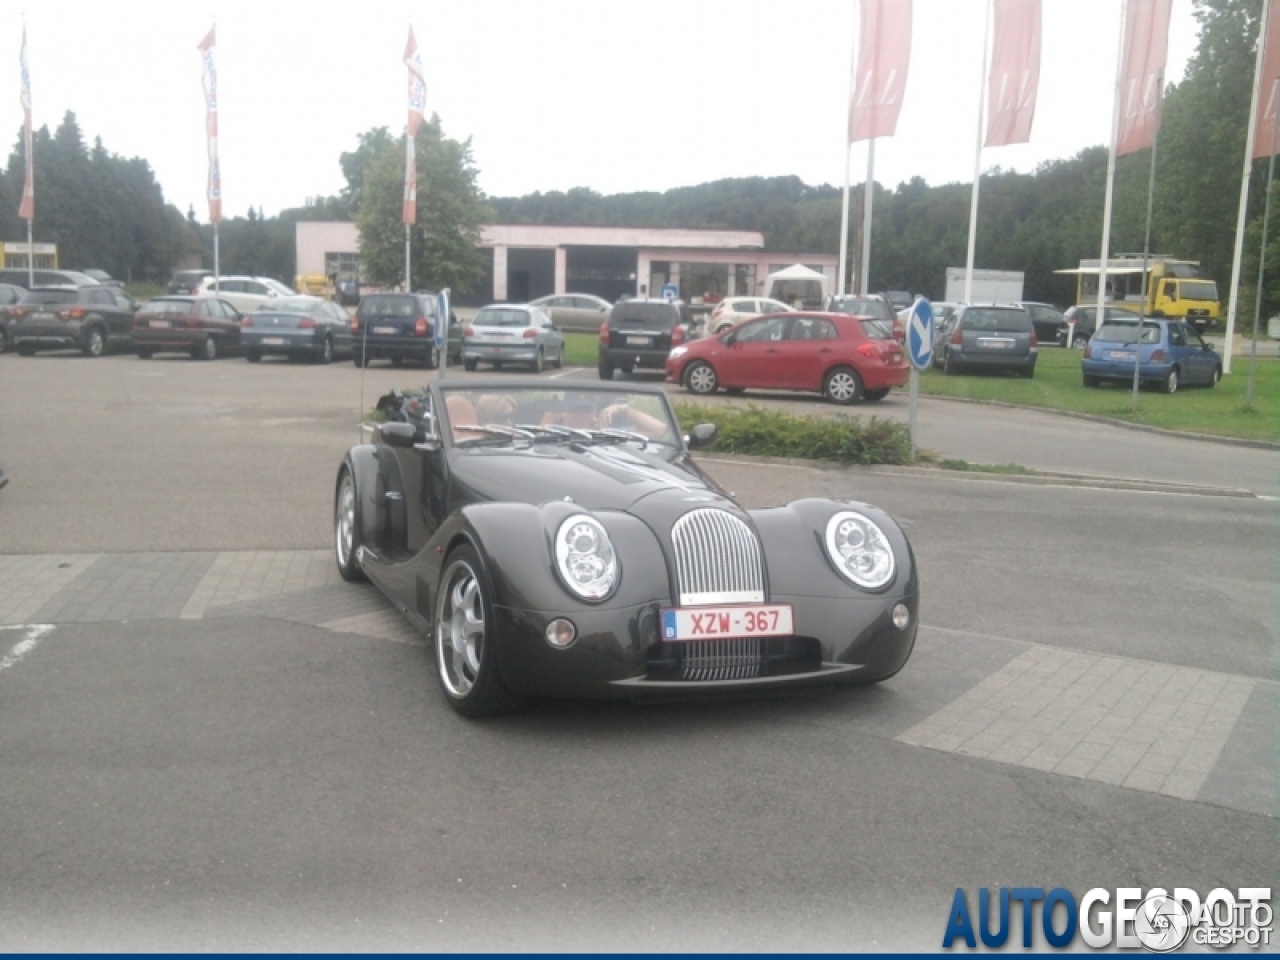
718, 559
721, 659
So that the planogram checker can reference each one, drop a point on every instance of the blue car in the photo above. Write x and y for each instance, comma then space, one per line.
1172, 353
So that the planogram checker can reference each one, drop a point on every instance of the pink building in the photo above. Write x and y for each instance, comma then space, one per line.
527, 262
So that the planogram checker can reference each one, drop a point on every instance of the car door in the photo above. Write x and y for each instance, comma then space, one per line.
103, 305
804, 354
754, 353
1206, 358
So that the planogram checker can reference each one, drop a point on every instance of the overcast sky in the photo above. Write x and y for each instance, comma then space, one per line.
554, 94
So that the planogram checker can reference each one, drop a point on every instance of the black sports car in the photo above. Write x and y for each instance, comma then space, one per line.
557, 540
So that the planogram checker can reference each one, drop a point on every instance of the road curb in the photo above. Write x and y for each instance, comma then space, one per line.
1097, 418
1043, 478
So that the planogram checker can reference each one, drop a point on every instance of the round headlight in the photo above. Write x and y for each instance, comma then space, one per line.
860, 550
585, 558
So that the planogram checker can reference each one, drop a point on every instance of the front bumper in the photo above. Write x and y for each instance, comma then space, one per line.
619, 652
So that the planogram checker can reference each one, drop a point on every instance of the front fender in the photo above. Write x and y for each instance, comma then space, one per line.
362, 461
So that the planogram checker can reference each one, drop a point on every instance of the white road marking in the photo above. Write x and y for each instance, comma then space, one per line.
35, 633
563, 373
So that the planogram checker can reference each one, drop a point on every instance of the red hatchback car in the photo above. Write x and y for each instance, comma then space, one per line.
845, 358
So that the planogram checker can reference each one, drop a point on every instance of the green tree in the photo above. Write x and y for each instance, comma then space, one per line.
445, 240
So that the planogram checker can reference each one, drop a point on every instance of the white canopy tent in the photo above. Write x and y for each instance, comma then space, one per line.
797, 285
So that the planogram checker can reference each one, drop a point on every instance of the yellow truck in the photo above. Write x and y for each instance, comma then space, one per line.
315, 284
1175, 288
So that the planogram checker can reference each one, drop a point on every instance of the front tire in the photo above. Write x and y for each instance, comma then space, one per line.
466, 661
701, 379
842, 385
346, 529
95, 344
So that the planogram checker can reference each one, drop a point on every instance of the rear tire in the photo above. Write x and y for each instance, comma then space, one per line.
26, 351
207, 349
326, 351
842, 385
605, 369
874, 396
95, 344
949, 366
537, 362
558, 363
1090, 381
1215, 378
1171, 381
470, 365
253, 356
144, 353
700, 378
433, 358
395, 361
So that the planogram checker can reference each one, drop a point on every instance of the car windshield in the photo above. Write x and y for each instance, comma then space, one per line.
51, 296
1199, 290
1005, 321
294, 305
502, 318
478, 416
1118, 332
166, 306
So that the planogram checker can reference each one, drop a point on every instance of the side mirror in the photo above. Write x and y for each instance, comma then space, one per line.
398, 434
703, 435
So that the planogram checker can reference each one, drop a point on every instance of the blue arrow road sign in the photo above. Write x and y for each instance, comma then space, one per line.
920, 334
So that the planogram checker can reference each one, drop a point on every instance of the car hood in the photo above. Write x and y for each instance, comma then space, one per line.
595, 476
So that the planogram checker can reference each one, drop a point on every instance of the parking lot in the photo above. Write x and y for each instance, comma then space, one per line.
208, 741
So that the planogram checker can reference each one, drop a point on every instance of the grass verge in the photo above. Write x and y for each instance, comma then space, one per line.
1058, 386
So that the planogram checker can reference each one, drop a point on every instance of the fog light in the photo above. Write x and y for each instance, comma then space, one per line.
560, 633
901, 616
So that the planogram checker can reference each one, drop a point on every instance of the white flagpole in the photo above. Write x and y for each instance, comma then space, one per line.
841, 271
1111, 177
1262, 255
1233, 301
977, 158
865, 274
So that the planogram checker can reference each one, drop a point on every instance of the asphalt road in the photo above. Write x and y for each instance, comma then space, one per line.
248, 775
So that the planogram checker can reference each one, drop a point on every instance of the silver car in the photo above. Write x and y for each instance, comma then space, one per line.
582, 312
512, 333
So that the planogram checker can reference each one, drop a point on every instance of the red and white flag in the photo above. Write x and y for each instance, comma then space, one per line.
1015, 72
1146, 45
27, 206
417, 103
1265, 121
884, 53
211, 124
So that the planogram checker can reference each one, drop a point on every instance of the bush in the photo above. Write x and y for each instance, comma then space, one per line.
775, 433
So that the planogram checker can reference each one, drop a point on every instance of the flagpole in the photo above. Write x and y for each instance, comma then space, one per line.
864, 278
842, 271
1262, 252
31, 258
1111, 179
977, 158
1146, 243
1237, 259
